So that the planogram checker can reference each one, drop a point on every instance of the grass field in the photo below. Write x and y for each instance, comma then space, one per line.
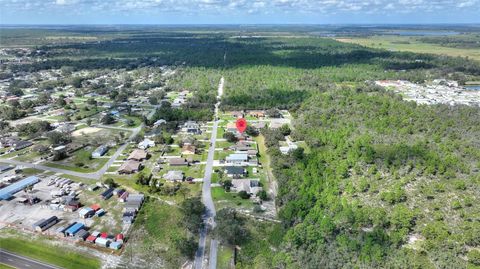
405, 43
155, 235
224, 258
54, 255
4, 266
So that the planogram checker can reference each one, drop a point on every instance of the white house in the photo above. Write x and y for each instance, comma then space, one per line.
145, 144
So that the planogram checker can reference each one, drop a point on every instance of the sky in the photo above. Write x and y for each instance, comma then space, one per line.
239, 11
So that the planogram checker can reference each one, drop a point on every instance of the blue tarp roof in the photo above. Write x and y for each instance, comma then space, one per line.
8, 191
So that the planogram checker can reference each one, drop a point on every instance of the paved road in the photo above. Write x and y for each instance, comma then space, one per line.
209, 217
21, 262
93, 175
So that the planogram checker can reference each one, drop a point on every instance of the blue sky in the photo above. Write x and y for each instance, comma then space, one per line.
238, 11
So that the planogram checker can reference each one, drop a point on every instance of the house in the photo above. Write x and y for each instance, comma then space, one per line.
145, 144
129, 167
236, 158
290, 145
8, 141
60, 149
41, 109
65, 128
243, 146
138, 155
236, 114
159, 122
251, 186
277, 123
231, 127
235, 171
174, 176
100, 151
260, 125
177, 162
19, 145
188, 149
252, 152
191, 127
257, 113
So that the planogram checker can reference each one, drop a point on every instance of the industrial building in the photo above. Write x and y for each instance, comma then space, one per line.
7, 192
74, 229
44, 224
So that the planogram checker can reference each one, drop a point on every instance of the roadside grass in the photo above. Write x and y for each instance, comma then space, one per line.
220, 132
264, 160
4, 266
41, 250
224, 257
215, 178
31, 171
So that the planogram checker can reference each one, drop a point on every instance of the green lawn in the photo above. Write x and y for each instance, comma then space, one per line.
40, 250
229, 199
221, 155
80, 157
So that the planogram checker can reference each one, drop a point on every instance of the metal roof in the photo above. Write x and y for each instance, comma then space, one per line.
8, 191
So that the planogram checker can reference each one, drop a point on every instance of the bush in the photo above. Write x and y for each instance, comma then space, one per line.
244, 195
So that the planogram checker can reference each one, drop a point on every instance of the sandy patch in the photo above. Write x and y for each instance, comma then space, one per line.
86, 131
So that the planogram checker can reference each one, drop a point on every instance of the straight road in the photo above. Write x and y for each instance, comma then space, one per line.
93, 175
22, 262
209, 217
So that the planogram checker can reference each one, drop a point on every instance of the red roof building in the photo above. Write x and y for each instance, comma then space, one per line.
119, 237
95, 207
103, 235
91, 239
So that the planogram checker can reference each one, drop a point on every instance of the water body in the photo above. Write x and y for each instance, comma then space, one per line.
425, 33
473, 87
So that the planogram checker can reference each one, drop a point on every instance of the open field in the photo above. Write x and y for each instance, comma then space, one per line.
412, 44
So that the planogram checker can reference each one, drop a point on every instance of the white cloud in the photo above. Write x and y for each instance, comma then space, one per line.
242, 6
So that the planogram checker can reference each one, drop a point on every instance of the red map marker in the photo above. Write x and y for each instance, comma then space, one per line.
241, 125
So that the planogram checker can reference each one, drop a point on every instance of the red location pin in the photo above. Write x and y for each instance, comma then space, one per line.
241, 125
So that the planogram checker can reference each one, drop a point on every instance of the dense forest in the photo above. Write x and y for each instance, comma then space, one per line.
384, 184
388, 184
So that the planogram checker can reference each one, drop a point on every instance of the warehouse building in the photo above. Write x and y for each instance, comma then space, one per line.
7, 192
74, 229
44, 224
